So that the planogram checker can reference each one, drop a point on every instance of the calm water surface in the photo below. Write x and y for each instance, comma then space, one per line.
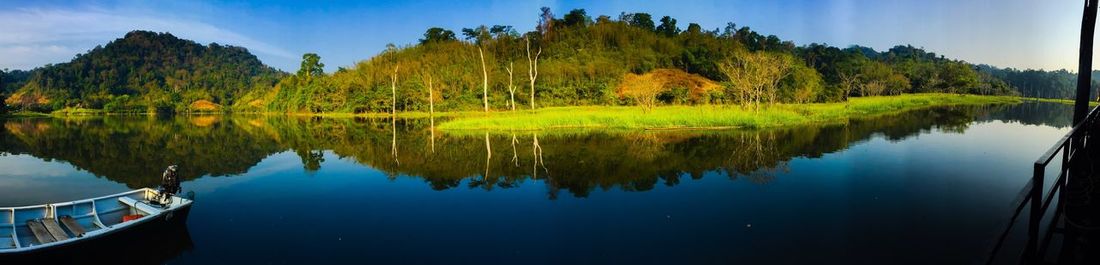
925, 187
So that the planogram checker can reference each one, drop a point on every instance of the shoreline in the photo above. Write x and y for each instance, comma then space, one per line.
712, 117
675, 117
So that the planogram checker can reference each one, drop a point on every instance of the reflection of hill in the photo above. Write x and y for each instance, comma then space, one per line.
135, 150
580, 163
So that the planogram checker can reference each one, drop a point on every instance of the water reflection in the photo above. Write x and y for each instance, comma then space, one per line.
151, 244
132, 150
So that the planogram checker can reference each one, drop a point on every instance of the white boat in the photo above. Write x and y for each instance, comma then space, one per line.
32, 228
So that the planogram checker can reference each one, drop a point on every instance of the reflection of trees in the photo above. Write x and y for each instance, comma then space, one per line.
135, 150
311, 159
756, 156
1041, 113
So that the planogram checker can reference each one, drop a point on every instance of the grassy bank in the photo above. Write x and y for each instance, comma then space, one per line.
400, 114
710, 116
1058, 100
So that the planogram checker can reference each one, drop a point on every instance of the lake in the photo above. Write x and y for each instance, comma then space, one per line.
933, 186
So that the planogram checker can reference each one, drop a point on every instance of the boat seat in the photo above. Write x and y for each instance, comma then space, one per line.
140, 206
54, 229
72, 225
40, 233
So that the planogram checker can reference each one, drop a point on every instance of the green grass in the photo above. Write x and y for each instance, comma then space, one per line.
77, 111
1058, 100
708, 116
400, 114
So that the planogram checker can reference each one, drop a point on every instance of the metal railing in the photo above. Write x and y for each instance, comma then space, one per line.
1068, 146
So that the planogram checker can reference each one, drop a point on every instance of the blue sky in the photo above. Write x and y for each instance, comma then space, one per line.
1007, 33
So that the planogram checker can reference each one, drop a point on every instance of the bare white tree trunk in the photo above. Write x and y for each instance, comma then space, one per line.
511, 87
484, 80
393, 90
431, 112
532, 69
431, 98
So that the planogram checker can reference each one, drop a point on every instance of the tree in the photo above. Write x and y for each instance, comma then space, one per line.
393, 90
478, 35
532, 69
877, 79
311, 67
873, 78
426, 78
481, 37
668, 27
603, 19
485, 79
502, 31
546, 21
755, 75
803, 85
511, 87
437, 34
641, 20
958, 77
694, 29
850, 72
643, 89
576, 17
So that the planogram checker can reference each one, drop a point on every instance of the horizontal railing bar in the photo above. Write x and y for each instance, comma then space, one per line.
1049, 154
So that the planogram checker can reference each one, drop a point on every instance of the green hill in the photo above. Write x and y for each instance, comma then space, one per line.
634, 59
589, 61
145, 71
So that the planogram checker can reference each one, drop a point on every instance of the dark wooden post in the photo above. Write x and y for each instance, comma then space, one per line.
1084, 69
1031, 252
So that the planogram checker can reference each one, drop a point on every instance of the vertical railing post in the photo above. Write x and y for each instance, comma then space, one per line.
1084, 67
1036, 194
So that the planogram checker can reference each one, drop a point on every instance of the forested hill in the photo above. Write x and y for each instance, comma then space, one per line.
146, 71
1042, 84
634, 59
568, 60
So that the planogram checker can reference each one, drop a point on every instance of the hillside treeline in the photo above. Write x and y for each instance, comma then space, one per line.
583, 60
572, 59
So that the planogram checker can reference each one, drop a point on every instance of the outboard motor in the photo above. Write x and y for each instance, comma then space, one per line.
169, 185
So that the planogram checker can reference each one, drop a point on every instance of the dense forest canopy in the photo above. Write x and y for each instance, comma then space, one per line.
145, 71
11, 80
572, 59
608, 61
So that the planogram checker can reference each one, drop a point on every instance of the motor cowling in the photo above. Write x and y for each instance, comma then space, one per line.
169, 184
